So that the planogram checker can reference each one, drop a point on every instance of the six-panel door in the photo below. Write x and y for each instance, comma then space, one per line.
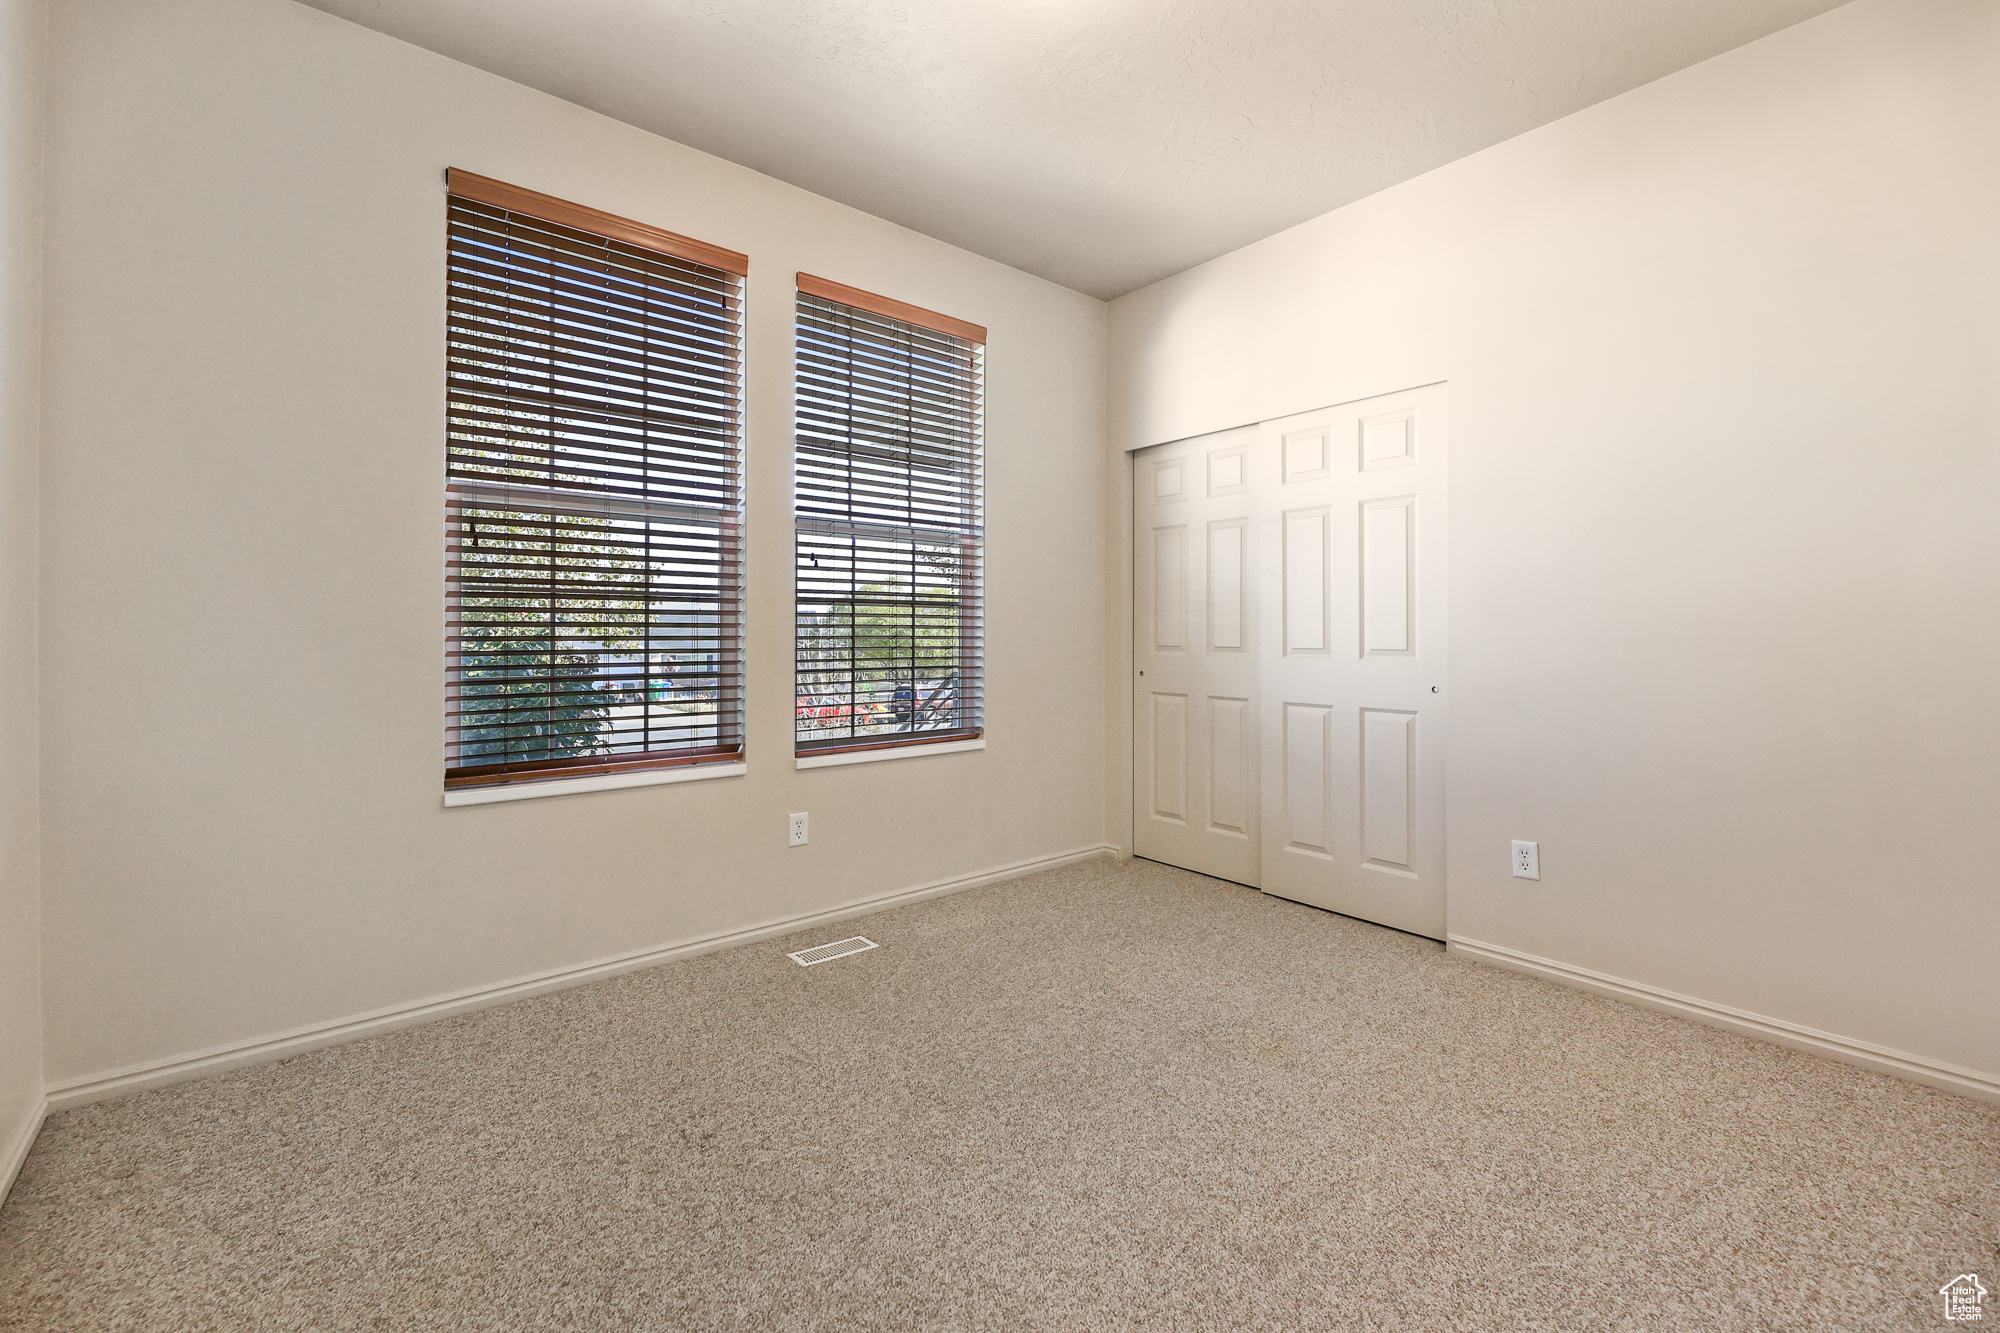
1352, 669
1195, 627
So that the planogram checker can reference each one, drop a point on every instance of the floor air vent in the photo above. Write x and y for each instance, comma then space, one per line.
826, 953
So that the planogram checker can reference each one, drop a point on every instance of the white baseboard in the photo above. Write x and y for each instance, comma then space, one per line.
14, 1150
296, 1041
1847, 1050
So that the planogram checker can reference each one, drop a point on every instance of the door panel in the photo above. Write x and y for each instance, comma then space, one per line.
1359, 494
1388, 771
1308, 548
1308, 778
1170, 755
1226, 540
1195, 726
1388, 593
1231, 790
1170, 589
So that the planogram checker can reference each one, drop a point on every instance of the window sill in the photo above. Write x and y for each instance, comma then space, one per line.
652, 777
897, 752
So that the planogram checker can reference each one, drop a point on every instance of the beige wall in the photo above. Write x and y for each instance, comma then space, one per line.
23, 45
242, 550
1725, 558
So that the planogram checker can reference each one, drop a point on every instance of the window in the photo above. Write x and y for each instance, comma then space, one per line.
888, 443
593, 591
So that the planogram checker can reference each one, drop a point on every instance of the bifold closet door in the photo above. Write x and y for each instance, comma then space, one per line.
1195, 638
1351, 511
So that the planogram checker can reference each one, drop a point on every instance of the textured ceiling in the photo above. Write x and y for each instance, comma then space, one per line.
1102, 144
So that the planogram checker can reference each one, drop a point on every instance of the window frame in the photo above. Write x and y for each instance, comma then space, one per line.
726, 272
970, 638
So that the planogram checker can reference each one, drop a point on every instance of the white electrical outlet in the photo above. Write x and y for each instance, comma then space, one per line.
799, 829
1527, 860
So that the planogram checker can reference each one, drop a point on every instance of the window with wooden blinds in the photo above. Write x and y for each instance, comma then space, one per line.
888, 513
594, 594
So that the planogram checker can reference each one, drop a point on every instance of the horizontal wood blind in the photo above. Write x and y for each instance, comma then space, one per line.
889, 421
594, 501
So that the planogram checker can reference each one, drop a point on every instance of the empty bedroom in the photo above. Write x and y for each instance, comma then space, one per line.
1031, 665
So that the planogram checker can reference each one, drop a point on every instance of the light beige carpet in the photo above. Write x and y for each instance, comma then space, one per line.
1100, 1098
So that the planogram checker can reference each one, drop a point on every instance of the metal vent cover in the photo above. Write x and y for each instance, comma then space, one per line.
826, 953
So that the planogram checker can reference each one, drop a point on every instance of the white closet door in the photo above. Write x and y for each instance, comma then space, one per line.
1195, 645
1351, 517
